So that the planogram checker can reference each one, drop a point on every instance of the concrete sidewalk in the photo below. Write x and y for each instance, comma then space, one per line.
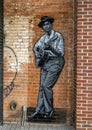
34, 126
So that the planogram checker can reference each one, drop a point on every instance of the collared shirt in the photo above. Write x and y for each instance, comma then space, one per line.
57, 45
50, 58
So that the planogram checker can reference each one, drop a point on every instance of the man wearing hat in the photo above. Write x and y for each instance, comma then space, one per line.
49, 53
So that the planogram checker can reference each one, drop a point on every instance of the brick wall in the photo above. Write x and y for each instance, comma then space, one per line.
84, 66
16, 42
21, 32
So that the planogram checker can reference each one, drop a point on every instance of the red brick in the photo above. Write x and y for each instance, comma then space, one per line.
22, 16
84, 25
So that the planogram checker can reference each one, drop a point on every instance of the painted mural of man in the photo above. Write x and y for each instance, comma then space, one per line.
49, 53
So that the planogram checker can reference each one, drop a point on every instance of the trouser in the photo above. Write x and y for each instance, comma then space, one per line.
45, 97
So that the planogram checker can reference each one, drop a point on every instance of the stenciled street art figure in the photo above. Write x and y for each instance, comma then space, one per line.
49, 53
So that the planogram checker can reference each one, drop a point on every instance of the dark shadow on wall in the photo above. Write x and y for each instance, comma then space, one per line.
59, 116
1, 62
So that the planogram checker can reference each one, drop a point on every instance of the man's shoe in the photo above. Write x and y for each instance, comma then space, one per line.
33, 115
48, 115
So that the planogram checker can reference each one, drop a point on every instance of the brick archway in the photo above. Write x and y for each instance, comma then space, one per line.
22, 43
82, 62
73, 103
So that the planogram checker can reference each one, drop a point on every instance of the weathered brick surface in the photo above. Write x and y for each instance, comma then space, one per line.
21, 18
84, 63
21, 33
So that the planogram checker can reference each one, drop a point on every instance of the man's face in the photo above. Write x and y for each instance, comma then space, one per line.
47, 26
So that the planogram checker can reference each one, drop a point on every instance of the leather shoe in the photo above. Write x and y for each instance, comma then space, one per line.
48, 115
33, 115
